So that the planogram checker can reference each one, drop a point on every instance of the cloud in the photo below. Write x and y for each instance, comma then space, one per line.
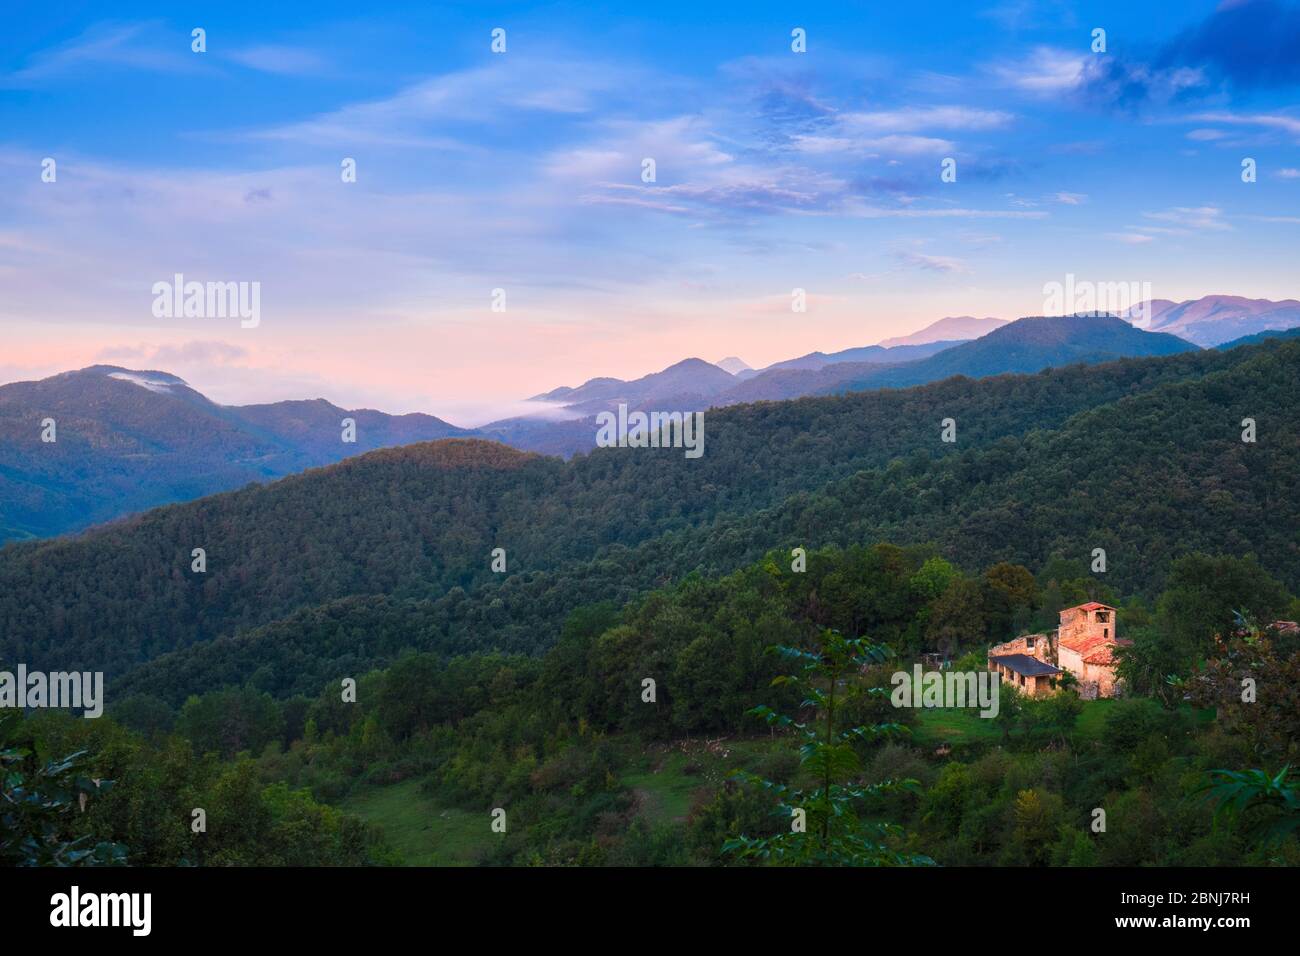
272, 58
945, 264
1246, 45
1130, 238
1192, 218
1279, 121
1046, 71
885, 145
1071, 199
416, 115
913, 119
109, 45
1254, 44
187, 353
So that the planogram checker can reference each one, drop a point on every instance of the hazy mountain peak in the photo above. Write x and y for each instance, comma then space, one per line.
733, 365
1214, 319
951, 328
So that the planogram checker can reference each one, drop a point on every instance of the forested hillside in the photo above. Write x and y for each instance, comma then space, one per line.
1147, 477
120, 441
590, 772
420, 520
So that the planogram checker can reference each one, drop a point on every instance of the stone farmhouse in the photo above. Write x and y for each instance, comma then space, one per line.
1084, 645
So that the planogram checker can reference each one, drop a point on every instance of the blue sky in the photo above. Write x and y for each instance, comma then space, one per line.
775, 170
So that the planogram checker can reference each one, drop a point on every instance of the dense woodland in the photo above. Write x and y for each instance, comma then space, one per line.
1141, 457
522, 690
557, 740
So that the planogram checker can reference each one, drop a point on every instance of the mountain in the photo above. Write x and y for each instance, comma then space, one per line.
733, 365
1261, 337
690, 377
1214, 319
127, 440
348, 564
1026, 345
872, 354
953, 328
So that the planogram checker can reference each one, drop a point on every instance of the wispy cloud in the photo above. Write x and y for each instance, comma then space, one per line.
930, 263
273, 58
140, 46
1192, 218
1278, 121
415, 115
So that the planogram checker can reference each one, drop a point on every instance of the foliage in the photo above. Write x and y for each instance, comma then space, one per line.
827, 828
38, 802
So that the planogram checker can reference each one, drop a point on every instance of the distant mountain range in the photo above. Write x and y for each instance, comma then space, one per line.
347, 567
1026, 345
1214, 319
872, 354
952, 328
691, 380
733, 365
126, 440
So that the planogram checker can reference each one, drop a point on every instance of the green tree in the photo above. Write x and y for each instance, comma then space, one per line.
39, 804
825, 826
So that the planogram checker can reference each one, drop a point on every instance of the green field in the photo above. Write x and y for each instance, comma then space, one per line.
666, 781
424, 832
961, 725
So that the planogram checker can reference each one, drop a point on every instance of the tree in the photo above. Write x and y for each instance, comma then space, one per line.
957, 615
1207, 596
1272, 802
825, 828
1011, 594
39, 803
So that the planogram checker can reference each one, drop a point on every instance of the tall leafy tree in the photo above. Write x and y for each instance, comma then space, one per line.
826, 826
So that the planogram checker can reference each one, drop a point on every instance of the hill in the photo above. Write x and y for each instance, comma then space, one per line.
1261, 337
417, 524
127, 440
871, 354
960, 327
1142, 458
1026, 345
1214, 319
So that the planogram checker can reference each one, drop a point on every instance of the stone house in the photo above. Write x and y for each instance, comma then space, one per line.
1084, 644
1029, 675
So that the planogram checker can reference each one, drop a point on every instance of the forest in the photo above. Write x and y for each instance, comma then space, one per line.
568, 746
231, 737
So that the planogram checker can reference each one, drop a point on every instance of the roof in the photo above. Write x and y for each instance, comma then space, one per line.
1027, 666
1095, 650
1086, 643
1106, 655
1091, 606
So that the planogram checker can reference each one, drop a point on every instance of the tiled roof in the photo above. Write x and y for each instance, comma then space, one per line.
1026, 665
1086, 643
1095, 650
1091, 606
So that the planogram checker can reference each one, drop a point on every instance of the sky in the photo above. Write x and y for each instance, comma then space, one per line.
523, 170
